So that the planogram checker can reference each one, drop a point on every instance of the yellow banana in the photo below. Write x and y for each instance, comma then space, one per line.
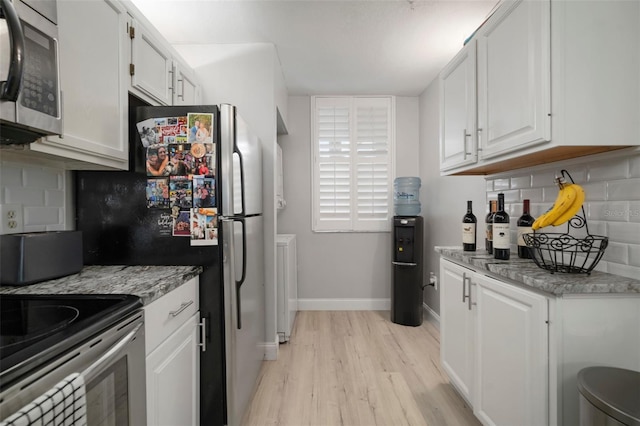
573, 209
566, 196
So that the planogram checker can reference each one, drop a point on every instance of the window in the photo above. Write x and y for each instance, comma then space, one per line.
353, 139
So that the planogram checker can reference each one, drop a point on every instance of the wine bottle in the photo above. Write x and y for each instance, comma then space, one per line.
469, 223
488, 241
524, 227
501, 240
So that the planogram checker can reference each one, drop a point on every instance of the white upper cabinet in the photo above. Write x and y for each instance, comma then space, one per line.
94, 87
458, 141
151, 66
555, 80
514, 78
186, 89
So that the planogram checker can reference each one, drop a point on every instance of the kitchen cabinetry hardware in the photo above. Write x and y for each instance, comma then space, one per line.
181, 95
464, 286
182, 307
171, 88
203, 334
404, 263
465, 135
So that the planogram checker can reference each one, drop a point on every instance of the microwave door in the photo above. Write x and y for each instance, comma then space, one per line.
11, 52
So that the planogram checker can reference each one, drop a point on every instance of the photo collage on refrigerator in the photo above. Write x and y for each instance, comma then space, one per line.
181, 175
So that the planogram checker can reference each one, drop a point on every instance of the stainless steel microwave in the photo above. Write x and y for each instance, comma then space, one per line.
30, 96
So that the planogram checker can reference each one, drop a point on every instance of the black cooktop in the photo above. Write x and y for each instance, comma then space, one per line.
34, 329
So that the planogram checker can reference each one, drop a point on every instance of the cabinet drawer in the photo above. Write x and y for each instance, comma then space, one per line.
167, 314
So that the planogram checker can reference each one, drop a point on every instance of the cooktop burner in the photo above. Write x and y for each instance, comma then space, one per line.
34, 329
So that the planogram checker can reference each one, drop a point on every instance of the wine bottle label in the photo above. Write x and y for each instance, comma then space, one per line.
521, 231
468, 233
490, 231
501, 238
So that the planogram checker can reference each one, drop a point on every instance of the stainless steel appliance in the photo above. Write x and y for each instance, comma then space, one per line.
30, 95
46, 338
125, 230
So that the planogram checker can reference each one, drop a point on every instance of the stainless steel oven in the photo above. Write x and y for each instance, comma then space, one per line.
111, 362
30, 95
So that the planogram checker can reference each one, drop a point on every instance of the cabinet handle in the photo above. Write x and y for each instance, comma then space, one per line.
203, 334
181, 95
182, 307
464, 286
469, 297
465, 135
171, 81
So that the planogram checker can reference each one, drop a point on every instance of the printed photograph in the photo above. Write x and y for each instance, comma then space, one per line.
181, 161
181, 225
204, 191
200, 127
204, 227
157, 160
180, 192
149, 133
158, 193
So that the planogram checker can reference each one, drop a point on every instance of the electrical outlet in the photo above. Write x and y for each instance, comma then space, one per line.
433, 279
11, 219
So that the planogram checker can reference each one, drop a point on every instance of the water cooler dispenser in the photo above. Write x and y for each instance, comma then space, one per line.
406, 291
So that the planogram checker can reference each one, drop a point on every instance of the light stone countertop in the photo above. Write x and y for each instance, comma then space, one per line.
527, 273
147, 282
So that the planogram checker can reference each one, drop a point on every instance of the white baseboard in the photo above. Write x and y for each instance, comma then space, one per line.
344, 304
271, 351
432, 314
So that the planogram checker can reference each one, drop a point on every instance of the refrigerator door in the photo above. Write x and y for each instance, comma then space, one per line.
240, 157
243, 271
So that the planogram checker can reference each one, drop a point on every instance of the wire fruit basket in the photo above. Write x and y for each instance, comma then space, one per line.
563, 252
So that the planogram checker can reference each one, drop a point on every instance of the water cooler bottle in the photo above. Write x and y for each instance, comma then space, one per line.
406, 291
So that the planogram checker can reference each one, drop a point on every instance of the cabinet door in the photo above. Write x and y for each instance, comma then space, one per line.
186, 88
514, 71
152, 65
458, 110
92, 76
173, 378
512, 367
456, 327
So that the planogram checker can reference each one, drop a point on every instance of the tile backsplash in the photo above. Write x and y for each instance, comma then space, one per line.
612, 205
40, 194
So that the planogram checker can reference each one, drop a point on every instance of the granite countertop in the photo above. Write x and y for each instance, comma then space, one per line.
147, 282
526, 272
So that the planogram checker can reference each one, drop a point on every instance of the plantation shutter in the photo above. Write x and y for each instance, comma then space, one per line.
352, 163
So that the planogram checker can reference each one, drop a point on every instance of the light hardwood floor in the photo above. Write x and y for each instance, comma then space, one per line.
356, 368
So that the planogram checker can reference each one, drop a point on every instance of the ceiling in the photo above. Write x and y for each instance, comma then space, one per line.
348, 47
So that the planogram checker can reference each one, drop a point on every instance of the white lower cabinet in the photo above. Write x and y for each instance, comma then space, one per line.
494, 346
172, 328
511, 354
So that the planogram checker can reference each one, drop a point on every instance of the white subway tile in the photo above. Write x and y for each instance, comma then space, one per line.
520, 182
624, 232
623, 270
534, 194
628, 189
511, 196
549, 194
595, 191
634, 254
634, 166
543, 179
42, 216
616, 252
26, 196
43, 178
489, 183
616, 211
35, 228
634, 211
54, 198
501, 184
10, 175
597, 227
617, 168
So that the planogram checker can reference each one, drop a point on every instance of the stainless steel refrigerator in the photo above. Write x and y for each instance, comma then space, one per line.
122, 224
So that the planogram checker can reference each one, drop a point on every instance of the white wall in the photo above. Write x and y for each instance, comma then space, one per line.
338, 270
444, 197
245, 75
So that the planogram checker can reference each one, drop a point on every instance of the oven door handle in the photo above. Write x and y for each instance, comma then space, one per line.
10, 88
96, 368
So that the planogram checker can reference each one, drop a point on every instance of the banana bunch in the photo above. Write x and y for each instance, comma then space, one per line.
569, 200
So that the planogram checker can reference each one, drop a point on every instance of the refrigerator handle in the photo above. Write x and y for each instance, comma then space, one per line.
242, 185
244, 273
